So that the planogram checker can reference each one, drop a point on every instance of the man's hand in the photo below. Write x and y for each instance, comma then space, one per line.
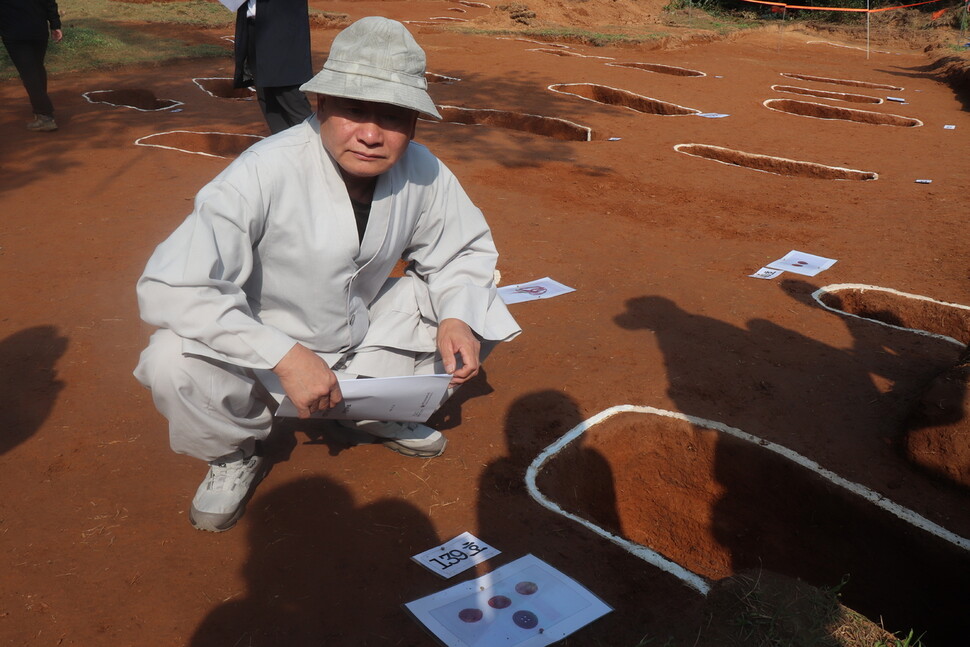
308, 381
57, 35
457, 342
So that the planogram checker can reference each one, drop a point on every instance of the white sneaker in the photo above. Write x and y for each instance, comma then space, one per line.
408, 438
221, 498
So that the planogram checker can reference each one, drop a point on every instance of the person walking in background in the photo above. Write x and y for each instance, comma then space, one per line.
25, 27
273, 54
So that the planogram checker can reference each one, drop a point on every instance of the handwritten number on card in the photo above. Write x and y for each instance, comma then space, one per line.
450, 558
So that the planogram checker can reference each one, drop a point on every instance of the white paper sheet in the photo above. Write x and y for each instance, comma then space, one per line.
526, 603
399, 399
456, 556
802, 263
543, 288
232, 5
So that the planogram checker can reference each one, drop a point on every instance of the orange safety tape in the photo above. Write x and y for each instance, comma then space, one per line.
792, 6
902, 6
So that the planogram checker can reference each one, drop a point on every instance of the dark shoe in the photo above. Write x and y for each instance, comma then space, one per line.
42, 123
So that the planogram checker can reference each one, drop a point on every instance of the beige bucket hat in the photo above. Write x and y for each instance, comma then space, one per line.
376, 59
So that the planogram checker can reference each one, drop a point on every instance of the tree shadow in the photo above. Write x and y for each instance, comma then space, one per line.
324, 571
958, 80
932, 396
787, 387
29, 382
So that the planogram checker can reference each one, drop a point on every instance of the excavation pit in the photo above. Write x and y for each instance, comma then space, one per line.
659, 69
200, 143
565, 52
770, 164
440, 78
823, 111
823, 94
536, 42
535, 124
844, 46
557, 52
136, 99
222, 88
896, 309
849, 82
698, 495
622, 98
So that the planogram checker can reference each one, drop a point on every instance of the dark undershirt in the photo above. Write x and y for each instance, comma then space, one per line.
361, 214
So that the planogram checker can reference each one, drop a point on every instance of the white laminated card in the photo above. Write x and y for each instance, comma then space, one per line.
538, 289
456, 556
802, 263
526, 603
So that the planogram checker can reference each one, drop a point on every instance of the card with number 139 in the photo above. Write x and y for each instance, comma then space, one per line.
455, 556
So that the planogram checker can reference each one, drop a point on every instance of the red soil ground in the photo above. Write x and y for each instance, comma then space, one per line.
95, 547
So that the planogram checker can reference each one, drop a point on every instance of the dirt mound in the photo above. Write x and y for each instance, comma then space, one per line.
328, 20
758, 607
938, 431
955, 72
582, 14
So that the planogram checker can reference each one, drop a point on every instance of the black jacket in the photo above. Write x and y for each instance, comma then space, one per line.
282, 40
28, 19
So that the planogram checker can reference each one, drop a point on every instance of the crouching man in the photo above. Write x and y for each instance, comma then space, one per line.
284, 266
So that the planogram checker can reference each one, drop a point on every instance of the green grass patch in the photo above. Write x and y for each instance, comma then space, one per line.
100, 34
201, 13
702, 14
595, 38
93, 44
566, 34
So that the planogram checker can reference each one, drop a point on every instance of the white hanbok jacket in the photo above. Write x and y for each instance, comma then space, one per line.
270, 257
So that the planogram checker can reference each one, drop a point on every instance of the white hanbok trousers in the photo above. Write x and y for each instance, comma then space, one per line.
217, 409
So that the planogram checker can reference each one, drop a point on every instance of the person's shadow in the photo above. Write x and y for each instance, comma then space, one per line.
583, 478
932, 406
822, 402
324, 572
580, 480
28, 382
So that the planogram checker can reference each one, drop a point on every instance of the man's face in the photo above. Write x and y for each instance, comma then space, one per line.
366, 138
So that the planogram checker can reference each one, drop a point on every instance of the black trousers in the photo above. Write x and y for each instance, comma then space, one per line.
282, 106
28, 58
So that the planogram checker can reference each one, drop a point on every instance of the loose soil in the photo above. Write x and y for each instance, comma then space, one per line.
95, 546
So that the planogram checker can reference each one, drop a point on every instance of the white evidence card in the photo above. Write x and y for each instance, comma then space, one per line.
802, 263
766, 273
539, 289
456, 556
525, 603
